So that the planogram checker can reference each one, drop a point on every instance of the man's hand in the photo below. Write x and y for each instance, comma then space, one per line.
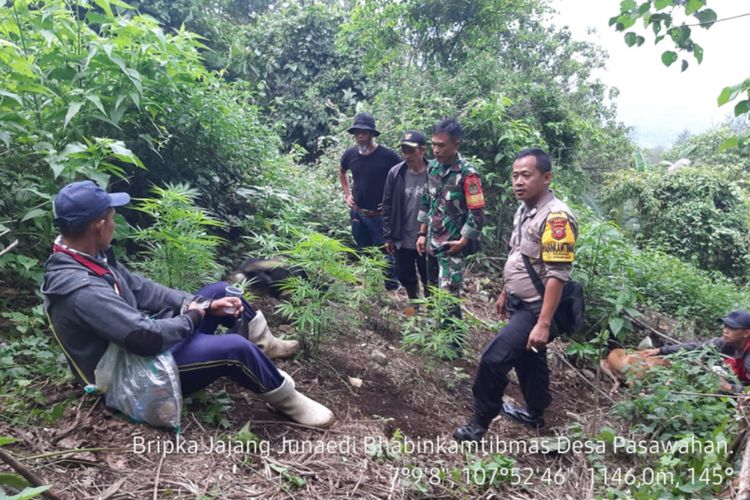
500, 306
421, 242
651, 352
454, 247
349, 200
197, 306
390, 248
539, 337
220, 307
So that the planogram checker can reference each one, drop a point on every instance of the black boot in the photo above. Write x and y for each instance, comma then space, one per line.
472, 431
412, 291
532, 418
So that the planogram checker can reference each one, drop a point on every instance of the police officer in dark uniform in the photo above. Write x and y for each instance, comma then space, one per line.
544, 235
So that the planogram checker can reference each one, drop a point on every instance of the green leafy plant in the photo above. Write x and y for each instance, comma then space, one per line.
81, 85
583, 351
329, 280
179, 249
289, 481
436, 330
663, 16
369, 270
26, 361
679, 404
668, 402
697, 214
620, 278
215, 406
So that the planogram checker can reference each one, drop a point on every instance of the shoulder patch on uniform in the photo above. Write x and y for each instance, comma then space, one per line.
473, 192
558, 238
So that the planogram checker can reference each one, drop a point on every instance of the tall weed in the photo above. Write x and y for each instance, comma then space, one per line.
179, 249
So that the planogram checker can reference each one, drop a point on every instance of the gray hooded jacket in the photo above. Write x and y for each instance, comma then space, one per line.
86, 312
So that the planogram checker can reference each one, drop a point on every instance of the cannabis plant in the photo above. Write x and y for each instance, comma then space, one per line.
327, 288
438, 328
179, 250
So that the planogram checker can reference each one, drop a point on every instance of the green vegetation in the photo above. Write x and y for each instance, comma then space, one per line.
329, 281
179, 250
671, 406
435, 330
697, 214
226, 120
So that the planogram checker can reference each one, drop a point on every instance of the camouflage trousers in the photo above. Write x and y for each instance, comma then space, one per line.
451, 273
451, 277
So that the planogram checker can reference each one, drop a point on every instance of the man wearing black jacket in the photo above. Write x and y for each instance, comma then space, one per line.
401, 200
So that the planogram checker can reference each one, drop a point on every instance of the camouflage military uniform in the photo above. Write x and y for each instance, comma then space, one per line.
452, 206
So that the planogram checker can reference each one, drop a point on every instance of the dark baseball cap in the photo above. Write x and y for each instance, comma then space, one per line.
414, 138
737, 319
80, 202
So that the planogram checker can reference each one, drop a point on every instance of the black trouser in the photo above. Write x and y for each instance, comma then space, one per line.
408, 263
508, 350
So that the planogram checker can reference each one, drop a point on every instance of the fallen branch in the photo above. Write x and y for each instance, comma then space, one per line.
711, 394
651, 329
26, 473
583, 377
68, 452
158, 473
745, 474
8, 248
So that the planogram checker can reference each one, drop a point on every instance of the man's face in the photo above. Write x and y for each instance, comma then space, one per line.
529, 184
412, 154
362, 138
735, 336
444, 147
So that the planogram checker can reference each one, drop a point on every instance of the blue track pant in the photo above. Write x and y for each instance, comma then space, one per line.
205, 357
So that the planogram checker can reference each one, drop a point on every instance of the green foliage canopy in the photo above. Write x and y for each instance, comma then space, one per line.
697, 214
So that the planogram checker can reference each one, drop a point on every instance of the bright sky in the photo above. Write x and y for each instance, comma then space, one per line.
660, 102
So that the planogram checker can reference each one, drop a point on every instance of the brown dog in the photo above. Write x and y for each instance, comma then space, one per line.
619, 365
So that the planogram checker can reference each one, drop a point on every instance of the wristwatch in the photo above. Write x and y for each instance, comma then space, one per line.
203, 303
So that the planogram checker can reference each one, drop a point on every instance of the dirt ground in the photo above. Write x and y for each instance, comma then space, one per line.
365, 454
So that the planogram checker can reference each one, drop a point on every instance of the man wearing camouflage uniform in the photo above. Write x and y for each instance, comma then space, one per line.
452, 210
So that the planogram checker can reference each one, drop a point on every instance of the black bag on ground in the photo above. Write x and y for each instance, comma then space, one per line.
569, 315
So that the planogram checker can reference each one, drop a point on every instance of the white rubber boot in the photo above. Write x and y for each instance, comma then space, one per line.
285, 399
259, 334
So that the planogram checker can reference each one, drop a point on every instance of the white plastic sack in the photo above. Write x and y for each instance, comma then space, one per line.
145, 389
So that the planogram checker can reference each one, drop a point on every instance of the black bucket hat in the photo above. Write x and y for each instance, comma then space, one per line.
364, 121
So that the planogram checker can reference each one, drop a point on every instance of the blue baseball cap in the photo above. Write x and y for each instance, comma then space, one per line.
80, 202
737, 319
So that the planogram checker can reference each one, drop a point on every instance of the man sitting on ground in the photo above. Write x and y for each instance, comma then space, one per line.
92, 300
